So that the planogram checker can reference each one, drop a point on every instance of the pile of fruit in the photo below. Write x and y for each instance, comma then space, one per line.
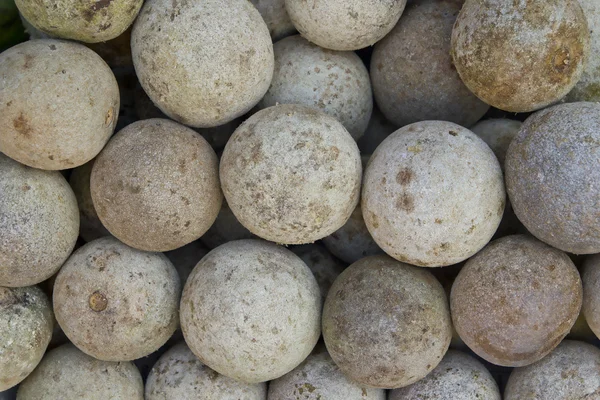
292, 199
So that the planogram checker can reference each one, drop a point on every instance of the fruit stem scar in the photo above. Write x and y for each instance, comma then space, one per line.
98, 301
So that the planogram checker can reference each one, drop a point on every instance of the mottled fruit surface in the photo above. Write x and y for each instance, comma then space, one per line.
553, 179
591, 292
433, 194
251, 310
386, 324
522, 55
180, 375
156, 185
291, 174
457, 377
67, 373
39, 223
571, 371
203, 63
26, 323
116, 303
516, 300
59, 103
319, 378
412, 72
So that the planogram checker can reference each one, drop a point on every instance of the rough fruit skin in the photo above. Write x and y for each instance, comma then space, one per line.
276, 18
553, 179
588, 87
155, 186
433, 194
498, 134
59, 103
67, 373
386, 324
90, 226
571, 371
26, 322
291, 174
87, 21
251, 310
591, 293
334, 82
520, 56
457, 377
516, 300
319, 378
202, 63
343, 24
412, 72
116, 303
39, 223
179, 374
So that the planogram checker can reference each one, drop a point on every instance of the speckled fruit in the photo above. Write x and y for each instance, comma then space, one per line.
225, 229
86, 21
67, 373
26, 321
155, 186
322, 264
179, 374
59, 103
291, 174
334, 82
553, 179
90, 226
588, 87
250, 310
344, 24
386, 324
412, 72
116, 303
516, 300
433, 194
39, 223
185, 258
319, 378
523, 55
276, 17
572, 371
457, 377
591, 292
498, 133
202, 63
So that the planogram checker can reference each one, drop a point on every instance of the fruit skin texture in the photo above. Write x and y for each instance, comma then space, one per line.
59, 103
457, 377
344, 24
276, 18
67, 373
178, 374
39, 223
553, 179
334, 82
588, 87
155, 186
26, 322
319, 378
520, 56
433, 194
251, 310
591, 292
87, 21
291, 174
386, 324
116, 303
412, 72
516, 300
571, 371
203, 63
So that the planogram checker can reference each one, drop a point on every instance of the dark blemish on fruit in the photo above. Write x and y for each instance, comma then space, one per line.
52, 47
21, 125
405, 176
28, 60
453, 133
98, 301
405, 202
99, 5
